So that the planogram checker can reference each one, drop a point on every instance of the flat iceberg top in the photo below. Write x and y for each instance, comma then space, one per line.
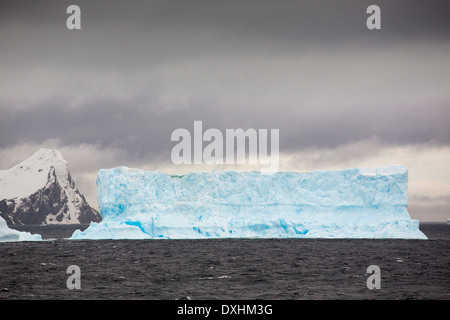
352, 187
391, 169
352, 203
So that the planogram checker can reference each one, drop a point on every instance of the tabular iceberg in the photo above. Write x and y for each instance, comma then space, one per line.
353, 203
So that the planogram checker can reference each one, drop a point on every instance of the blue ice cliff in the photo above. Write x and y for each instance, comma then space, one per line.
353, 203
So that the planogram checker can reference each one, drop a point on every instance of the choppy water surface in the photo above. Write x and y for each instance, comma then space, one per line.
226, 268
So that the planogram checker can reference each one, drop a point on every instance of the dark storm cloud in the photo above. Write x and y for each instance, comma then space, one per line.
129, 34
261, 18
137, 70
145, 131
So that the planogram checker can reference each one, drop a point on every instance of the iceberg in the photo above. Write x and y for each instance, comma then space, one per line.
353, 203
11, 235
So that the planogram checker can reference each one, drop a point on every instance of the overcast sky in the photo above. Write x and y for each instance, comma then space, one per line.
341, 95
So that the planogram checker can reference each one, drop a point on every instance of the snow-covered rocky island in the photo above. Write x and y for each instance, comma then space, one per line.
40, 191
353, 203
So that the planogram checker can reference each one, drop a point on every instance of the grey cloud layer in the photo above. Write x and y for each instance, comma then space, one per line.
138, 70
145, 131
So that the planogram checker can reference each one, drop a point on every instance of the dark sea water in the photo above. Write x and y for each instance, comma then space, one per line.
267, 269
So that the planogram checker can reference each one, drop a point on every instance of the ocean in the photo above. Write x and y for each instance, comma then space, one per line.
226, 269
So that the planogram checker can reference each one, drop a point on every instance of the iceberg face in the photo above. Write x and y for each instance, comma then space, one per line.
354, 203
10, 235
